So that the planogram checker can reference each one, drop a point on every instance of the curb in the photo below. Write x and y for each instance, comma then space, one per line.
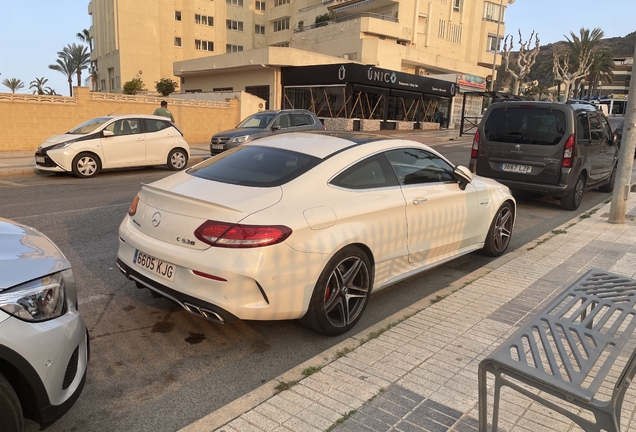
251, 400
17, 172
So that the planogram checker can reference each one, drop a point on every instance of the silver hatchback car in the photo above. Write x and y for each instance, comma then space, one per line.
43, 340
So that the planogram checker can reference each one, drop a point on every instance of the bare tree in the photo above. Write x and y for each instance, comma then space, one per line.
562, 65
526, 57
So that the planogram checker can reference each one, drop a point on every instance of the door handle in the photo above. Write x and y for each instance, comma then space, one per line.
139, 139
417, 201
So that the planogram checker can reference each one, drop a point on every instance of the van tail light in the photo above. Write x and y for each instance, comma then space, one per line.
221, 234
568, 152
133, 206
475, 149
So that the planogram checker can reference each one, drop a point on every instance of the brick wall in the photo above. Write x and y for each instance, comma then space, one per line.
27, 120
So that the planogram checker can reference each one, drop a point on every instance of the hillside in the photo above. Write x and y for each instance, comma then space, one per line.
542, 69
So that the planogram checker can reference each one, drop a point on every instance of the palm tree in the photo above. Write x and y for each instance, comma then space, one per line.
581, 45
13, 84
38, 85
602, 70
65, 66
85, 37
80, 59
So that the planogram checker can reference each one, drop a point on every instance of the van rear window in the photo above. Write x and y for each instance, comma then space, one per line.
525, 126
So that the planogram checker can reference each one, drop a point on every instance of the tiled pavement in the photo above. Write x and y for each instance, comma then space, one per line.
421, 374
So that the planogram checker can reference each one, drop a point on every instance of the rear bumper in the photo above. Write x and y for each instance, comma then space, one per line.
556, 191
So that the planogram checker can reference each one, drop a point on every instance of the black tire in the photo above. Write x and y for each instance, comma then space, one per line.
177, 159
609, 187
500, 232
86, 165
11, 418
346, 281
572, 201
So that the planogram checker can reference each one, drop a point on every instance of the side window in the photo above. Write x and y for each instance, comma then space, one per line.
582, 126
282, 121
153, 125
416, 166
124, 127
607, 131
301, 120
371, 173
596, 128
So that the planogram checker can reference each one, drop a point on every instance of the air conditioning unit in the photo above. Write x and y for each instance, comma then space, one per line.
420, 71
345, 56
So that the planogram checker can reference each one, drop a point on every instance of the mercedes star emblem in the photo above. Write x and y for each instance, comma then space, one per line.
156, 219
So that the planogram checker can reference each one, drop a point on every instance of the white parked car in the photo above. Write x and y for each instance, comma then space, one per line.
114, 142
43, 340
307, 225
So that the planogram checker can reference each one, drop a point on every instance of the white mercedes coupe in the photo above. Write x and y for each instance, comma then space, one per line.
306, 226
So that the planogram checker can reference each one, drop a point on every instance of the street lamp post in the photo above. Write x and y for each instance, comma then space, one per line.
494, 60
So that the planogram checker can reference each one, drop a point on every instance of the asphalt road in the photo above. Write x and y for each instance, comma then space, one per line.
155, 367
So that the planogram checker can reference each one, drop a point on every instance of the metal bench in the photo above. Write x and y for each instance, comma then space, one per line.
570, 351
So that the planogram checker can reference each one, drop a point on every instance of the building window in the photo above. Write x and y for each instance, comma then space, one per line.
282, 44
233, 48
492, 11
103, 85
260, 5
177, 41
235, 2
234, 25
117, 81
280, 2
441, 30
223, 89
456, 4
259, 29
280, 25
203, 19
454, 33
203, 45
493, 43
177, 15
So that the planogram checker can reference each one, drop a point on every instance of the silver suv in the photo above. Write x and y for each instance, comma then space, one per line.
265, 123
556, 149
43, 339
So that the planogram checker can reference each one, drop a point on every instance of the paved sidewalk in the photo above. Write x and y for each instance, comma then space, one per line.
18, 163
420, 374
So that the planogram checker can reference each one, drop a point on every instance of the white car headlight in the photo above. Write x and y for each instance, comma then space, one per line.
63, 145
39, 300
240, 139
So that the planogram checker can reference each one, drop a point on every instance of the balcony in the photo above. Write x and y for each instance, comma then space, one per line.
346, 7
366, 22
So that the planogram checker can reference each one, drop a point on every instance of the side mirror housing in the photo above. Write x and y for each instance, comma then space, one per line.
462, 175
107, 133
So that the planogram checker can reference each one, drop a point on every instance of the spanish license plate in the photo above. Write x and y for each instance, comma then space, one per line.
39, 159
217, 146
162, 269
522, 169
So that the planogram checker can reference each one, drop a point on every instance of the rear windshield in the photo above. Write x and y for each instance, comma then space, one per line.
255, 166
525, 126
259, 121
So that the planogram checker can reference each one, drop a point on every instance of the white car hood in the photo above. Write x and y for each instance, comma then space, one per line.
57, 139
26, 254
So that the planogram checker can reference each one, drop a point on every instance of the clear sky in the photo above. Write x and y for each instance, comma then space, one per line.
33, 31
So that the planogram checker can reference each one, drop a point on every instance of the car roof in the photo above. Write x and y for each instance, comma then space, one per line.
574, 104
294, 110
319, 144
126, 116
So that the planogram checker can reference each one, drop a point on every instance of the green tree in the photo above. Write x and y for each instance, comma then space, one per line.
601, 69
583, 48
80, 58
38, 85
13, 84
165, 86
133, 86
85, 37
65, 66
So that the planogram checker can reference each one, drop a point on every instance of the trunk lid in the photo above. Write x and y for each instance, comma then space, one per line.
171, 209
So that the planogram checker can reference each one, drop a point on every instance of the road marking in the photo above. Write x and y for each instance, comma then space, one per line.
72, 211
8, 183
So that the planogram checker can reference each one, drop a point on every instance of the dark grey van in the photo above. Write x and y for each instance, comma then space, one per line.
557, 149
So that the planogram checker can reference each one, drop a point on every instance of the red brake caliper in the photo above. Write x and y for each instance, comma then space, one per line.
327, 292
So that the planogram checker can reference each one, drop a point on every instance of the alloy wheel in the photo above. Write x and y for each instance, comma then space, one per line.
578, 193
503, 229
346, 291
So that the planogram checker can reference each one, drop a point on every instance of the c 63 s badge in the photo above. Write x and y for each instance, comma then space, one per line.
186, 241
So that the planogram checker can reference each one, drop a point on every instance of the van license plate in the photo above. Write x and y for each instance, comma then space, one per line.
160, 268
522, 169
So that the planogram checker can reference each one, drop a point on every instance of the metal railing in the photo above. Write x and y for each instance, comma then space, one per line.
346, 18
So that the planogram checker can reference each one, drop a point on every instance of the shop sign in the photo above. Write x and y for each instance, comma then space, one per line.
471, 81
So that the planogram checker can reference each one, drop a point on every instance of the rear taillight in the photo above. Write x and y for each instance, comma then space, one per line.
568, 152
222, 234
133, 206
475, 149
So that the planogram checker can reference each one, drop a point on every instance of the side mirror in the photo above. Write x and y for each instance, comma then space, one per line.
462, 175
107, 133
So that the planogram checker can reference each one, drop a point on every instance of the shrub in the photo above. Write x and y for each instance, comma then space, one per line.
165, 86
133, 86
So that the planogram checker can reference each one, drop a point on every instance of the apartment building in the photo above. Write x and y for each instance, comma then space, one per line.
419, 37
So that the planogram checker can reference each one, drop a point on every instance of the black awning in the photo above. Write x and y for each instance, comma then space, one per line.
371, 89
406, 94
